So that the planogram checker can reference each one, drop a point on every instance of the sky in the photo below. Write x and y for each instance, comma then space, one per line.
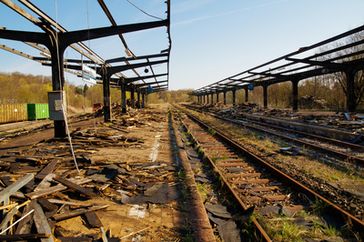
211, 39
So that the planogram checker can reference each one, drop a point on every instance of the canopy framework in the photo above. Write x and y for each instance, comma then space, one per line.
342, 53
56, 39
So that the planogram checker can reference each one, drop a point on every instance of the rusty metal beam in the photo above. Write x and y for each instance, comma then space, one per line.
121, 59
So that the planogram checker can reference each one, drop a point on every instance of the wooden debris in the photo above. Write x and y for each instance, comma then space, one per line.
74, 186
78, 212
41, 222
25, 225
54, 189
9, 206
46, 170
18, 237
93, 220
70, 203
103, 235
45, 183
75, 239
9, 190
47, 205
16, 222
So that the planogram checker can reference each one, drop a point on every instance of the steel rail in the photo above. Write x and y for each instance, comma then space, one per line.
354, 159
358, 225
258, 227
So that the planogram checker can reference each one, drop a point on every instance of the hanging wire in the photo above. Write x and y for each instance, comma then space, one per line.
141, 10
62, 97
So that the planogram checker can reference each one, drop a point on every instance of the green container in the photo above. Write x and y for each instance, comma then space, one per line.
37, 111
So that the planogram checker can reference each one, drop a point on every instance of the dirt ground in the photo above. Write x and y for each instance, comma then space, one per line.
145, 156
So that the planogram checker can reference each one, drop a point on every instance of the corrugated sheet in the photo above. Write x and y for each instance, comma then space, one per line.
38, 111
13, 113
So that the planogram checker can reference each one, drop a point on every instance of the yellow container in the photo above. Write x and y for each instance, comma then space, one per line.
13, 113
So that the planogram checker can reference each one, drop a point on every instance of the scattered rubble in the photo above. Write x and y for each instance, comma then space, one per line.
41, 191
351, 122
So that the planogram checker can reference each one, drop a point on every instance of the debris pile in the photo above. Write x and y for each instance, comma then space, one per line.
40, 187
353, 122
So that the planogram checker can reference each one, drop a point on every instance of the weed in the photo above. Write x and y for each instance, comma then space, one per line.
212, 131
285, 230
318, 206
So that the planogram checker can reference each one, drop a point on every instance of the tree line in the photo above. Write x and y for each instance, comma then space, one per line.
24, 88
322, 92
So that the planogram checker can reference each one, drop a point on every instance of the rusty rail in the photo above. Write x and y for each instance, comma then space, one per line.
353, 159
357, 224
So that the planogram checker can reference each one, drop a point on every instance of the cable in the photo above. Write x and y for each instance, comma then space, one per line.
62, 97
141, 10
69, 136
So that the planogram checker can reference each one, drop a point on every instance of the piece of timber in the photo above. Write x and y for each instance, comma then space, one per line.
62, 202
25, 226
9, 217
18, 237
41, 223
54, 189
93, 220
14, 187
45, 183
47, 205
78, 212
75, 187
46, 170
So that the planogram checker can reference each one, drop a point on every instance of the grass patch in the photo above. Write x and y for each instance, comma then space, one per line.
282, 229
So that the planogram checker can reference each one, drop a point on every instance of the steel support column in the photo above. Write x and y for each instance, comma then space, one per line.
265, 96
234, 96
350, 91
143, 100
106, 94
132, 97
207, 99
217, 97
212, 98
138, 99
224, 97
123, 97
295, 95
246, 95
57, 85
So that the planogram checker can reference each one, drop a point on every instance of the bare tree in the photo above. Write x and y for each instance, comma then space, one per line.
352, 80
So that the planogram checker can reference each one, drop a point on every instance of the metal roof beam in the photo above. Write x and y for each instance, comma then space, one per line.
121, 59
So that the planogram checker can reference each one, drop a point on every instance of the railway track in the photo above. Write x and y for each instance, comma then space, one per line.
334, 147
256, 184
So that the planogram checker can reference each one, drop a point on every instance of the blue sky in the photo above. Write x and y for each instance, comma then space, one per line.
211, 39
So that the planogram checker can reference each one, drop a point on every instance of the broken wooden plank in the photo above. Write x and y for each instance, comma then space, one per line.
45, 183
75, 239
70, 203
93, 220
103, 235
74, 186
16, 222
9, 206
6, 180
9, 216
18, 237
54, 189
41, 223
9, 190
47, 205
25, 225
47, 170
78, 212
